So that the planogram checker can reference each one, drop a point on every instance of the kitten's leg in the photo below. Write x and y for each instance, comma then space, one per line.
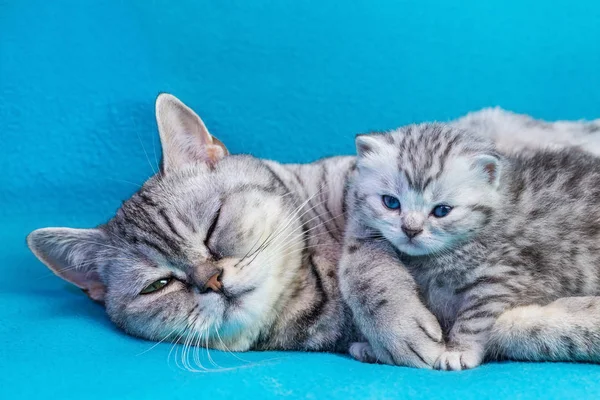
567, 329
386, 307
484, 299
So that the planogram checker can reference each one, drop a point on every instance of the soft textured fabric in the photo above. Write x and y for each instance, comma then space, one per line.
288, 80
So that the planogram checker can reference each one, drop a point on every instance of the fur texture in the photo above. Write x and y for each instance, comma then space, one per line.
238, 253
476, 233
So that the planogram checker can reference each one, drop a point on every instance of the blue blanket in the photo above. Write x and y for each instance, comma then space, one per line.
288, 80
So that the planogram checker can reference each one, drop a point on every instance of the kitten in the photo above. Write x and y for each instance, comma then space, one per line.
503, 249
227, 251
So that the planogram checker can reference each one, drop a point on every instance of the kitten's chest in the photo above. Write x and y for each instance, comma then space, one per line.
439, 280
441, 299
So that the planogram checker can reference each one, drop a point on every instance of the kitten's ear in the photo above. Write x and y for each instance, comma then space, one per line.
69, 253
367, 144
490, 166
183, 136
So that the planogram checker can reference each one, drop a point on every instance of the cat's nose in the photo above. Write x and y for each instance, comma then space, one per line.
411, 232
214, 283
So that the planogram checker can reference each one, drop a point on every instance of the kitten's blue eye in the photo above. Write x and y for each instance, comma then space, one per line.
390, 202
441, 210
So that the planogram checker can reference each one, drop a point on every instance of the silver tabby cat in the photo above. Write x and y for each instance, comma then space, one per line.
502, 249
234, 252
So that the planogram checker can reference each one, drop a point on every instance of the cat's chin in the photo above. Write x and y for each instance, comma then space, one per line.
414, 249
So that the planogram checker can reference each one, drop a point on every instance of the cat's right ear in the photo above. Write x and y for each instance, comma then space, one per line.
70, 254
183, 136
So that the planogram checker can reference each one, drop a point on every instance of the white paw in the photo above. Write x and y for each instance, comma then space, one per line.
458, 360
363, 352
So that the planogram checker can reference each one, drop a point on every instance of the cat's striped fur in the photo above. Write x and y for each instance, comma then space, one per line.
249, 249
523, 231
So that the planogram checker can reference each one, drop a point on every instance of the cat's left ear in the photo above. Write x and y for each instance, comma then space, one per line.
490, 167
368, 143
183, 136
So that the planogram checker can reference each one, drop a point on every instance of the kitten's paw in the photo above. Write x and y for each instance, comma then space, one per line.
363, 352
454, 360
417, 343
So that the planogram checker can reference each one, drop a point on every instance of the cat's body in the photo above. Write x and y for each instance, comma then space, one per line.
482, 233
231, 252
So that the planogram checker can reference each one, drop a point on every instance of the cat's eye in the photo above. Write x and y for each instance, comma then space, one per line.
156, 286
209, 233
441, 210
390, 202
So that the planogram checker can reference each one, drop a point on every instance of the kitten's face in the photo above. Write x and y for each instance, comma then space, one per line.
426, 187
197, 254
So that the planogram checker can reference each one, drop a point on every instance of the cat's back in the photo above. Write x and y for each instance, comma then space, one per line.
546, 182
550, 222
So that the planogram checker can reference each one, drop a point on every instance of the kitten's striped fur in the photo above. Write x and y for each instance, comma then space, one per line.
524, 231
274, 230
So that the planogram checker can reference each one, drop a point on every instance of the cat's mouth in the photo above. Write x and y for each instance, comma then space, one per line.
234, 296
413, 247
233, 299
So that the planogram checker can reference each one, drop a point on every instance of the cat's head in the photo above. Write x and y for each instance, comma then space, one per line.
196, 253
427, 187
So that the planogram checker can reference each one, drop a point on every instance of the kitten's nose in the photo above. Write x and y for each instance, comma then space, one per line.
214, 283
410, 232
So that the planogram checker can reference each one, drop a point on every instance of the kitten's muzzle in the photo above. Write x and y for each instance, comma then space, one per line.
411, 232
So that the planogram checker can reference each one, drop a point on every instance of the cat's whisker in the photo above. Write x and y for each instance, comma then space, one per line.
227, 348
293, 216
294, 238
124, 181
210, 359
145, 153
159, 342
276, 237
174, 347
291, 219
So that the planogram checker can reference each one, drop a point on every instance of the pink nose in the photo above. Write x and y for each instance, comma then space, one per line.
214, 283
411, 233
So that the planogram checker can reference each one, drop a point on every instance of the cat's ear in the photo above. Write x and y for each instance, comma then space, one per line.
183, 136
69, 253
367, 144
489, 166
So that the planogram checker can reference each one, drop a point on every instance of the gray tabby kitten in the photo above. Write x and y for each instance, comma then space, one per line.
502, 250
233, 252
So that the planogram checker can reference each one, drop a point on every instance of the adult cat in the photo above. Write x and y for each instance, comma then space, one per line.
234, 252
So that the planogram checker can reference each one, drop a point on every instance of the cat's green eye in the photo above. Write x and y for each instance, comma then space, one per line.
155, 286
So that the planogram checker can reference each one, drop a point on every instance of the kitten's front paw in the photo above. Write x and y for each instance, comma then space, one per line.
455, 360
363, 352
417, 343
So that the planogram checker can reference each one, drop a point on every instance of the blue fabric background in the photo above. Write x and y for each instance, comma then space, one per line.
288, 80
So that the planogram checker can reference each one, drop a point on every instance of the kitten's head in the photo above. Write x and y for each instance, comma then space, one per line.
426, 187
196, 253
